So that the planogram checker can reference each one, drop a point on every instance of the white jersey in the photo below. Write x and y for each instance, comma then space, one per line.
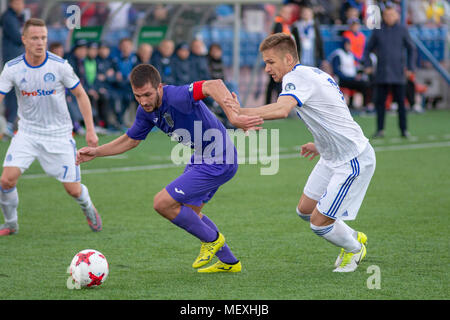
41, 95
322, 107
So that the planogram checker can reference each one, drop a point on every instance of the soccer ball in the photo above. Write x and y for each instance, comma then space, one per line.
89, 268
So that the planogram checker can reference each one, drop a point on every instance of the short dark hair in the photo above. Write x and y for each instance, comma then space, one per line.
33, 22
281, 42
143, 74
55, 45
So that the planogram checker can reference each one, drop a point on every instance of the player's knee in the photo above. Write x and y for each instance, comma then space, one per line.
305, 208
319, 219
159, 204
73, 190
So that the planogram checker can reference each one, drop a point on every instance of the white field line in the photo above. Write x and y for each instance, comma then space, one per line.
248, 160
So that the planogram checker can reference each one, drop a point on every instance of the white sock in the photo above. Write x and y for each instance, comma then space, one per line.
339, 234
304, 216
84, 200
9, 201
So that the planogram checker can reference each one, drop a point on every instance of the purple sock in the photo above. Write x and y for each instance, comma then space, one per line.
224, 254
188, 220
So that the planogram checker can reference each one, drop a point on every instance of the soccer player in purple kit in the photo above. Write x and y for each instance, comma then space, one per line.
179, 112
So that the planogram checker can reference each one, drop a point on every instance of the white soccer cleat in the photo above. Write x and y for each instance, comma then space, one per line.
362, 238
350, 261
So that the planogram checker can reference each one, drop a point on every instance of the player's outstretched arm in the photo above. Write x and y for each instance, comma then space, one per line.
217, 90
277, 110
117, 146
86, 111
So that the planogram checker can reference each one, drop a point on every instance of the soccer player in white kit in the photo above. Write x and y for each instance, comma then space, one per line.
337, 185
40, 79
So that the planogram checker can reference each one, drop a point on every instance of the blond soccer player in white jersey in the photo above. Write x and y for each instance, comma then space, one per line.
337, 185
44, 128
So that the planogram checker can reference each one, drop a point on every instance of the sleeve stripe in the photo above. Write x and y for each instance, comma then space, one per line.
294, 96
76, 85
4, 93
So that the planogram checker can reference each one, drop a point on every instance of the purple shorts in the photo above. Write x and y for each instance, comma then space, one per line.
199, 182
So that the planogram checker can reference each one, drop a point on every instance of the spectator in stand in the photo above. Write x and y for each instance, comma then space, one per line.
417, 11
98, 103
358, 5
435, 10
125, 63
161, 60
356, 37
217, 71
344, 67
90, 67
57, 48
325, 11
283, 20
306, 33
282, 24
144, 53
182, 65
383, 4
390, 43
351, 13
106, 78
101, 14
76, 60
12, 22
200, 70
215, 63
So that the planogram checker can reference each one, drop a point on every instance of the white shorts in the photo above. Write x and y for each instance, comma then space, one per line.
341, 190
57, 158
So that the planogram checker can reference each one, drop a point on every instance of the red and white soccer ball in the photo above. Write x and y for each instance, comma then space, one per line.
89, 268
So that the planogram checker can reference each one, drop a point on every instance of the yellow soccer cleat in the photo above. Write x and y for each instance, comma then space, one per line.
350, 261
362, 238
208, 250
220, 266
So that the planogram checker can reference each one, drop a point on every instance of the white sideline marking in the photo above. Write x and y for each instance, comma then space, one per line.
281, 156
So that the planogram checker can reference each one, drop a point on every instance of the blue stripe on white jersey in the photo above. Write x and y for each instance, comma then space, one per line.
14, 61
56, 58
293, 96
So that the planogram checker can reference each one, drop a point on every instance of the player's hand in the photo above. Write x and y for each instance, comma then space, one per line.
233, 103
309, 150
85, 154
91, 138
244, 122
247, 122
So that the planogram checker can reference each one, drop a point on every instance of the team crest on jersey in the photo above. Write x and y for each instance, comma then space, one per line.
289, 87
168, 119
49, 77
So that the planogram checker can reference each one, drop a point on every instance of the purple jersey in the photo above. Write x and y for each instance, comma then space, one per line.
190, 122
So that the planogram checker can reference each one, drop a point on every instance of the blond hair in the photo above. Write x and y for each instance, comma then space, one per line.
280, 42
33, 22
